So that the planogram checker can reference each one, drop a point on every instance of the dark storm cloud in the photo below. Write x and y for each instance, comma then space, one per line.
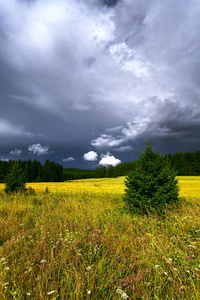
110, 2
82, 76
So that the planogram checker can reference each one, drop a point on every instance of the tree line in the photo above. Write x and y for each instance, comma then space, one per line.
186, 164
100, 172
34, 171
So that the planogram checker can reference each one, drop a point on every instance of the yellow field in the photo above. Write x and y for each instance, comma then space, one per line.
189, 186
82, 243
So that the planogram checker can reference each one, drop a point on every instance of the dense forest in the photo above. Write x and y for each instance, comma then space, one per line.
186, 164
34, 171
101, 172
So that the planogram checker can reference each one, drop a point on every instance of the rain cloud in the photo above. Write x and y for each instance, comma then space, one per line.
102, 75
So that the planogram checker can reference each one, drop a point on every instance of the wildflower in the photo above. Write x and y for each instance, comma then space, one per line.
28, 294
5, 284
7, 268
119, 291
169, 259
88, 268
3, 258
42, 261
157, 266
51, 292
124, 295
175, 269
89, 292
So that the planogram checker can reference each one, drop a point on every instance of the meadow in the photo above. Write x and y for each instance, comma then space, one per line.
77, 240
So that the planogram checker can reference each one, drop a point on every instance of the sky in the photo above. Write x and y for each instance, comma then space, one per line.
86, 82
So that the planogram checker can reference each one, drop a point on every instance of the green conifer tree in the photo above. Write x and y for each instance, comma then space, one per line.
152, 184
15, 180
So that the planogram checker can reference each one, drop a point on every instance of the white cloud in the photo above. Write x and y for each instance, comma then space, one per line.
90, 156
68, 159
109, 160
16, 152
38, 149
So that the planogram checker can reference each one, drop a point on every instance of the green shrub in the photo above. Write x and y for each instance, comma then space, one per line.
15, 180
152, 184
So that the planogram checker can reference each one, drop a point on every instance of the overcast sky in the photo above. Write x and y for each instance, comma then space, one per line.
85, 82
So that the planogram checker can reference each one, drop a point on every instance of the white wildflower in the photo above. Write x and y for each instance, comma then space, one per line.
169, 278
88, 268
28, 294
157, 266
51, 292
89, 292
119, 291
165, 273
124, 295
6, 269
5, 284
3, 258
42, 261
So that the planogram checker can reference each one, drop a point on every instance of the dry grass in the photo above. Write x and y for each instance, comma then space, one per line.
85, 245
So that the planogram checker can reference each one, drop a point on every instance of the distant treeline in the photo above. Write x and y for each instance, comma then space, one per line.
34, 171
101, 172
186, 164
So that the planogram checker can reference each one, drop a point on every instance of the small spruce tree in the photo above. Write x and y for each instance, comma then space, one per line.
15, 180
152, 184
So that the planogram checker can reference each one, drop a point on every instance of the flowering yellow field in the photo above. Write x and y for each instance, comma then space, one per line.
189, 186
80, 245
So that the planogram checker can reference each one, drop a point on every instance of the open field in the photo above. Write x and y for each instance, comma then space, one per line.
80, 242
189, 186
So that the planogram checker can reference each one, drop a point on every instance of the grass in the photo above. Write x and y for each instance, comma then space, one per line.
80, 242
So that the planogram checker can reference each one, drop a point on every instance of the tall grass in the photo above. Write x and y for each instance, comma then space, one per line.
86, 245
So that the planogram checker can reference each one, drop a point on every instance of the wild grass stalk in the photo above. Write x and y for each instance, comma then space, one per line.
88, 246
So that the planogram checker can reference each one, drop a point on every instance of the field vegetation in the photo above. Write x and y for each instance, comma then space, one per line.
77, 240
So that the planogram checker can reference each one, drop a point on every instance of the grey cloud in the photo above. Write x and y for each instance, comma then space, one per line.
124, 69
38, 149
68, 159
124, 149
166, 120
16, 152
